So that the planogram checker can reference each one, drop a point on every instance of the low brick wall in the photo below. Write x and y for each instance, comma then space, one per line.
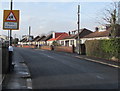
46, 47
27, 46
64, 49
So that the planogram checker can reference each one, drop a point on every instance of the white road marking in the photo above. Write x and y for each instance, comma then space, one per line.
99, 77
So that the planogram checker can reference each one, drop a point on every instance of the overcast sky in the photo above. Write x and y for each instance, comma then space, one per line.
44, 17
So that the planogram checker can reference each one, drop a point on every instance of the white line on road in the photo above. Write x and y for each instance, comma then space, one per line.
99, 77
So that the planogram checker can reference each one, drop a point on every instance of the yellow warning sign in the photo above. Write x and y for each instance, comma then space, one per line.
11, 20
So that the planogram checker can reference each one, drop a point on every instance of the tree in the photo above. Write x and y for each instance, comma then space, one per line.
111, 18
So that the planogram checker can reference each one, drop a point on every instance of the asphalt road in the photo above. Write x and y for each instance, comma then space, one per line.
57, 70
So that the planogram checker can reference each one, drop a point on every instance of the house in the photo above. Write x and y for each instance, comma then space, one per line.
33, 42
40, 41
23, 41
72, 38
106, 34
56, 36
3, 38
43, 41
26, 40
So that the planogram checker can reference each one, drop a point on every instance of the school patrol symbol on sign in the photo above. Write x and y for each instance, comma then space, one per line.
11, 20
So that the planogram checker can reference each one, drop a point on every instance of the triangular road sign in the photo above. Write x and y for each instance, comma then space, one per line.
11, 17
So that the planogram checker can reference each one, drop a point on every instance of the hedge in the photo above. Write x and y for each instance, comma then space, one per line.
106, 48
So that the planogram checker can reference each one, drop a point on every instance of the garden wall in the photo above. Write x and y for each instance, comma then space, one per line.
64, 49
46, 47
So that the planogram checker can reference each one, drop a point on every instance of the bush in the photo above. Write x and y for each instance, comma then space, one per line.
107, 48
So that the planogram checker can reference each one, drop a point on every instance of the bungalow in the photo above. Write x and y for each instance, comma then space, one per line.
26, 40
23, 41
43, 41
57, 36
106, 34
40, 41
33, 42
72, 38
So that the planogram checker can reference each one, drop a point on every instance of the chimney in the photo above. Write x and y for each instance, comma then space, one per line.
69, 32
96, 29
53, 34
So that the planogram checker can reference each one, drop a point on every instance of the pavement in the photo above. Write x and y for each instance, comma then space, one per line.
59, 70
20, 77
111, 63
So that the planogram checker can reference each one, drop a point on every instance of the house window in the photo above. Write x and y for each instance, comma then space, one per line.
72, 42
67, 43
62, 42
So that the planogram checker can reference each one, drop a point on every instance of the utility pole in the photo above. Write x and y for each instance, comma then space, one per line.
11, 6
29, 34
78, 29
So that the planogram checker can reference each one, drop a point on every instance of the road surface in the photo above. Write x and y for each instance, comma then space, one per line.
57, 70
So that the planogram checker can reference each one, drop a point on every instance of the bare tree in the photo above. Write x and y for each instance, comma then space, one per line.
111, 17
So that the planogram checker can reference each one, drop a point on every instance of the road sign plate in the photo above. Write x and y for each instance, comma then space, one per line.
11, 20
10, 25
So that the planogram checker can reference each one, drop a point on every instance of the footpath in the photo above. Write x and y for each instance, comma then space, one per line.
20, 78
110, 63
101, 61
96, 60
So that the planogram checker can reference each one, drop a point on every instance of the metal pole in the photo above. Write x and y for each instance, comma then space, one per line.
78, 29
11, 6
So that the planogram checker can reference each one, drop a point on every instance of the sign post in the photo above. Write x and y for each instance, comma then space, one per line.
11, 22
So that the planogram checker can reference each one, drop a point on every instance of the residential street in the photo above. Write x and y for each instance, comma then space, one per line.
57, 70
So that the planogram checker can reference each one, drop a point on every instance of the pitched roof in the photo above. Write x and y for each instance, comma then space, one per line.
99, 34
23, 40
57, 34
40, 38
83, 32
106, 33
70, 36
47, 37
37, 37
61, 36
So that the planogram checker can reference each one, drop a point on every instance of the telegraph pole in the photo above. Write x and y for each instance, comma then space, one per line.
78, 29
29, 34
11, 6
29, 31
